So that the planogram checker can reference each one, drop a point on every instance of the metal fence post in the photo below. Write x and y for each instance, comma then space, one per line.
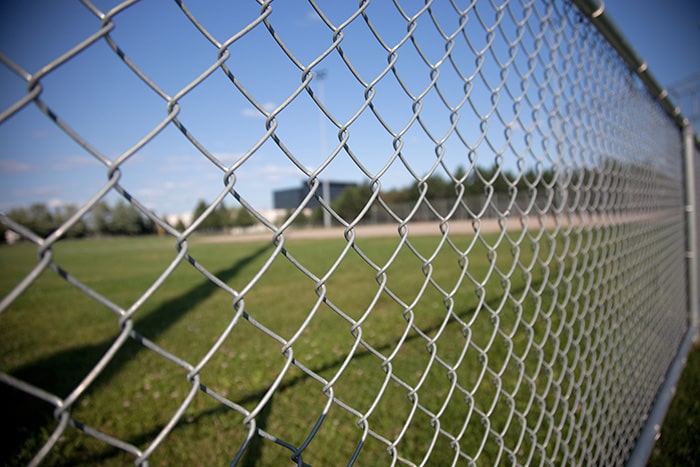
652, 427
691, 227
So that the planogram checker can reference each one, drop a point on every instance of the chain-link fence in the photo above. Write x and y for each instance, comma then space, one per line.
687, 94
535, 325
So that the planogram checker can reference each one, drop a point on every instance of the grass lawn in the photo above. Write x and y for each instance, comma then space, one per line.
387, 351
679, 443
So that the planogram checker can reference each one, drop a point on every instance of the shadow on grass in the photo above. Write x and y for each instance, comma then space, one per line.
62, 371
25, 415
254, 449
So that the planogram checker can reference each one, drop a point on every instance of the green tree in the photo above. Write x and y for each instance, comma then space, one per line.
222, 217
21, 216
352, 201
179, 225
316, 217
101, 219
199, 210
243, 218
218, 219
37, 218
395, 196
535, 177
497, 178
460, 173
42, 221
301, 220
77, 230
126, 220
438, 188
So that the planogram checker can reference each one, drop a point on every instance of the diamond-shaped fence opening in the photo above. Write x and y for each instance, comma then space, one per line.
483, 252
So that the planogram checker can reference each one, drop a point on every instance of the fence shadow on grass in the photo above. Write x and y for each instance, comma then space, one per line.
25, 415
254, 449
63, 370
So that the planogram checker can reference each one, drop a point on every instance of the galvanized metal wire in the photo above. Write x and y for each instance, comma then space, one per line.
584, 314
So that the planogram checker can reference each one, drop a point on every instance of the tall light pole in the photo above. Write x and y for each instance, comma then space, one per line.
326, 187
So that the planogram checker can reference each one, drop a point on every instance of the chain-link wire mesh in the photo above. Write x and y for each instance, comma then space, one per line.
534, 325
687, 94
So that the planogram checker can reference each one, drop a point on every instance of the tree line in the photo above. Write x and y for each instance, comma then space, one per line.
119, 219
480, 180
221, 218
122, 218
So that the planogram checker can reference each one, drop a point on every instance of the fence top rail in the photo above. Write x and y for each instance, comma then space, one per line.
595, 11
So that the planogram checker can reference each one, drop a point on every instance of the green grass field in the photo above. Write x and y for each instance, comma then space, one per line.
488, 375
679, 443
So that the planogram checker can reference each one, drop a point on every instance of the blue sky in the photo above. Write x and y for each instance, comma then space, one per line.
665, 33
112, 109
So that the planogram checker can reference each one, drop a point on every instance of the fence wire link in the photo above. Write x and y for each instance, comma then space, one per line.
545, 336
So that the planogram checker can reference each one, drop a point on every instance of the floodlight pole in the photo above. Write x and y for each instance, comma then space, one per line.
326, 188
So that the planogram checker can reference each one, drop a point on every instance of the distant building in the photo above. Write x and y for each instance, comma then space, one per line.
12, 237
291, 198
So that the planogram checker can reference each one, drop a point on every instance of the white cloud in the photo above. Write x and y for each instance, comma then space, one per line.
149, 193
310, 17
63, 163
183, 163
14, 167
68, 163
42, 191
55, 203
228, 158
272, 173
39, 134
252, 112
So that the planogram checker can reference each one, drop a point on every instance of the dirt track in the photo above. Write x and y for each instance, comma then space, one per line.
381, 230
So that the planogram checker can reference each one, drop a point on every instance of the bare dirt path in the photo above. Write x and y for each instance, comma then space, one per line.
459, 227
